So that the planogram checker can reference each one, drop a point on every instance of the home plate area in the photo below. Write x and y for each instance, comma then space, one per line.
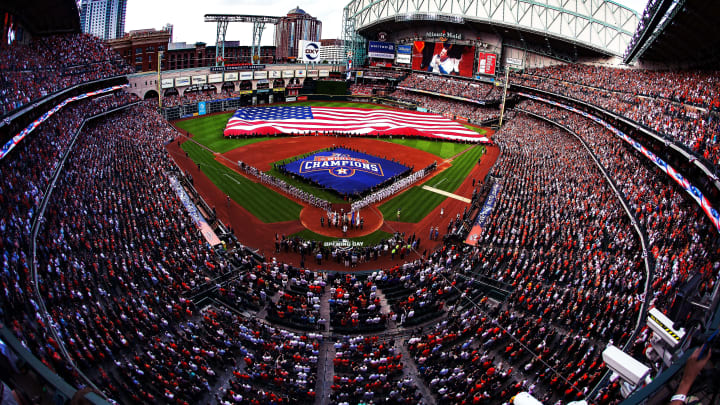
348, 172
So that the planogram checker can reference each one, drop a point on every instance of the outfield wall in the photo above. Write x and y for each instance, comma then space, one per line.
232, 104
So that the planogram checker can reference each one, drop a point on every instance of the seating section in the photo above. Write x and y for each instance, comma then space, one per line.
368, 369
681, 105
450, 86
676, 228
49, 64
141, 304
440, 105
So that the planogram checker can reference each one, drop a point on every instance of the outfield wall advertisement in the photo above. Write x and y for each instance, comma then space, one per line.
308, 51
443, 58
381, 50
215, 78
404, 54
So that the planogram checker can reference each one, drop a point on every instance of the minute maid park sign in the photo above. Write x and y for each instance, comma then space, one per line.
340, 165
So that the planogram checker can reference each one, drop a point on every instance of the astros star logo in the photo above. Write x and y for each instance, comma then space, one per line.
342, 172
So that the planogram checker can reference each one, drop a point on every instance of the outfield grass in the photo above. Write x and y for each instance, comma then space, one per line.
368, 240
208, 131
480, 131
441, 149
267, 205
416, 203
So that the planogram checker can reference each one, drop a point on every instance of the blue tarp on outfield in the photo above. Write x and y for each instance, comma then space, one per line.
345, 171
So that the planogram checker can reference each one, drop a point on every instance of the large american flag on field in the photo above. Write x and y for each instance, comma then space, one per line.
357, 121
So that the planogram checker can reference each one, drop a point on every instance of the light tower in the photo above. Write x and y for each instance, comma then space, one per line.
223, 20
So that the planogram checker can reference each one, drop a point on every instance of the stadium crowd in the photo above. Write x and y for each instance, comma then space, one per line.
102, 274
681, 105
381, 73
676, 227
440, 105
368, 89
49, 64
197, 96
444, 85
369, 369
121, 266
552, 247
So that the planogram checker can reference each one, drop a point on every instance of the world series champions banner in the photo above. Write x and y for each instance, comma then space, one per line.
345, 171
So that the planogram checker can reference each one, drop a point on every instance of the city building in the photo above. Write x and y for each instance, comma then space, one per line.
103, 18
139, 48
296, 26
181, 55
332, 51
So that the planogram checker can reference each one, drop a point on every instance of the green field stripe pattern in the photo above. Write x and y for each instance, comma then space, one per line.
441, 149
264, 203
480, 131
208, 131
416, 203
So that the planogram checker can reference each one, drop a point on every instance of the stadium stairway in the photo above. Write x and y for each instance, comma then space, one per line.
410, 370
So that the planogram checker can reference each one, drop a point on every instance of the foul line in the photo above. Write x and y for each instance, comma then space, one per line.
445, 193
233, 179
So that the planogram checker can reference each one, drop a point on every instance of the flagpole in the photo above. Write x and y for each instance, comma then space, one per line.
502, 109
159, 80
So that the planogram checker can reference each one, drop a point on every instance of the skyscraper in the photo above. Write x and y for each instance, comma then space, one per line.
298, 25
103, 18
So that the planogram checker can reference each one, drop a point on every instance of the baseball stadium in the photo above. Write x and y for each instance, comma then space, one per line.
459, 202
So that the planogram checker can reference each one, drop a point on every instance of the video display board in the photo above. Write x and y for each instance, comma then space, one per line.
443, 58
486, 63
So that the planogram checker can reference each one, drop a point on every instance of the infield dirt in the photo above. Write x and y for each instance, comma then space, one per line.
252, 232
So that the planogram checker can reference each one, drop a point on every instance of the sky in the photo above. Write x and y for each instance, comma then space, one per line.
187, 17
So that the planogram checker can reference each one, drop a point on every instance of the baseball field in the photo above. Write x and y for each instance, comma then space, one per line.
257, 212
